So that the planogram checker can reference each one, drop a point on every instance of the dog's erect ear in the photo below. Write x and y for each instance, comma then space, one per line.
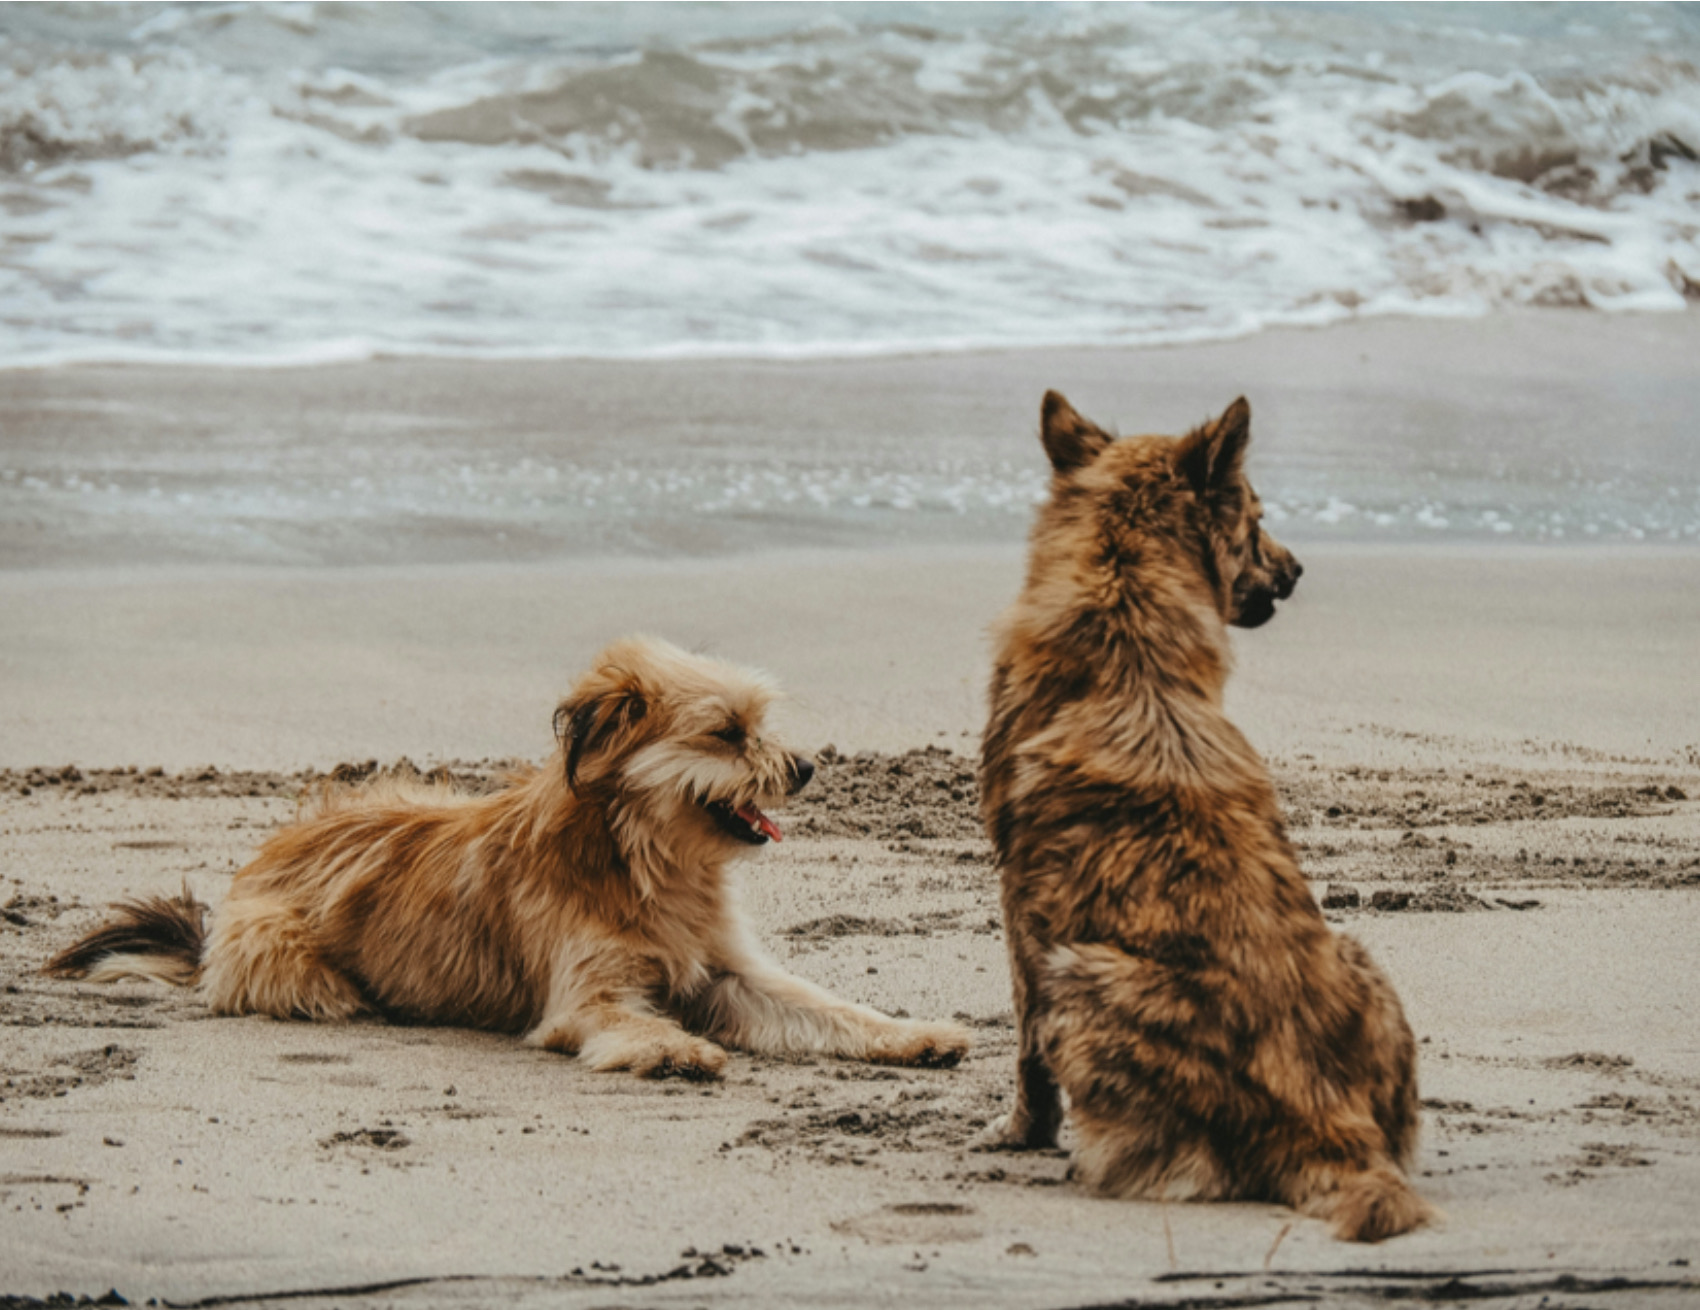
583, 726
1070, 440
1212, 456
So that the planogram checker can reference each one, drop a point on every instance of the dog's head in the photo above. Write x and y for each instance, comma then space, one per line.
1148, 493
677, 740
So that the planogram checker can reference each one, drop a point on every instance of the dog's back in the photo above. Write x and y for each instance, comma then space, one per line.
369, 902
1172, 971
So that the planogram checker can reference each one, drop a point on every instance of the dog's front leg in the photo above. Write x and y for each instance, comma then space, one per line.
759, 1007
599, 1010
1033, 1122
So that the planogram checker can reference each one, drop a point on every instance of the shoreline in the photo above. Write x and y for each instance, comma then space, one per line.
1521, 428
339, 354
1471, 551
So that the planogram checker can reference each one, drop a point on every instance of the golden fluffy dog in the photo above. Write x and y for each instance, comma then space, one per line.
1173, 975
588, 905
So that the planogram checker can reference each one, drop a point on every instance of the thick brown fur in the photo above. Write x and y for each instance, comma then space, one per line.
589, 905
1173, 974
170, 928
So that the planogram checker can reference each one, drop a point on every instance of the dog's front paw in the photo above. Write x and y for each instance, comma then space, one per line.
658, 1057
701, 1063
924, 1045
1009, 1132
691, 1058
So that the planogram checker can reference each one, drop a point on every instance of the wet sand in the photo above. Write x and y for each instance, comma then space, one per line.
1491, 763
1557, 423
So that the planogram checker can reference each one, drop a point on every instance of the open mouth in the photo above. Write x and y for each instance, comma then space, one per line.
1255, 610
745, 822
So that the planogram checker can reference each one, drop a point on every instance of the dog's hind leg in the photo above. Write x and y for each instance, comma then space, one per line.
262, 959
1389, 1053
759, 1007
598, 1010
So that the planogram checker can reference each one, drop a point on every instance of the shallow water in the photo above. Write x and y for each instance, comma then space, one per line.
1536, 428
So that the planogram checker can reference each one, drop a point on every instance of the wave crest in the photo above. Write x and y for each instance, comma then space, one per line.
229, 182
72, 107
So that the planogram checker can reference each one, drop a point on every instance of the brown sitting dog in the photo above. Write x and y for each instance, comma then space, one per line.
588, 905
1172, 972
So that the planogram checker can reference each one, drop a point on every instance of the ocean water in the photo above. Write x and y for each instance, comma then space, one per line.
290, 184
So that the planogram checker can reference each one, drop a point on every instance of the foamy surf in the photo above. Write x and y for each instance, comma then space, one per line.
283, 184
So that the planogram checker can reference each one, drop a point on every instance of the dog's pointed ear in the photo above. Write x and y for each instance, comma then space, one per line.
1212, 456
1071, 441
586, 724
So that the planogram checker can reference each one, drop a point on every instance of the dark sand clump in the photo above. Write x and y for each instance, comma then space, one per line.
917, 801
927, 793
911, 1118
193, 784
1356, 797
79, 1069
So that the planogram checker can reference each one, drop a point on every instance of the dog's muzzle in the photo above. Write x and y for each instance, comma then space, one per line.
1257, 605
747, 822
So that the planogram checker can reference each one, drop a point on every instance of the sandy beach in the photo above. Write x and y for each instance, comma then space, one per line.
1490, 757
366, 369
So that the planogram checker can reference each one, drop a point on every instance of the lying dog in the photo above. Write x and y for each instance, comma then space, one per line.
588, 905
1172, 973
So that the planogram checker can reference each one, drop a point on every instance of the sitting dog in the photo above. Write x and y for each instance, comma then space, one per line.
1172, 972
587, 905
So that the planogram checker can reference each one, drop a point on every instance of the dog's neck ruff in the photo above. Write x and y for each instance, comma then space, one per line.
1131, 656
1132, 627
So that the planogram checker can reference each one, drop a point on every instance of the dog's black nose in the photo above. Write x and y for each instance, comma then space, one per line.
802, 769
1288, 580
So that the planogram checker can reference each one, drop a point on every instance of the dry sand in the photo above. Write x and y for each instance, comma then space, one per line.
1492, 766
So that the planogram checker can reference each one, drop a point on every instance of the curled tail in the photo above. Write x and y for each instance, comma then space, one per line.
1371, 1206
159, 937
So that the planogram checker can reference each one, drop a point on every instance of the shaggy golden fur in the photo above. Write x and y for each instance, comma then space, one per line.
588, 905
1173, 975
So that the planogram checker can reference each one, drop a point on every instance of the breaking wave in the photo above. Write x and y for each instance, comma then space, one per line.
288, 183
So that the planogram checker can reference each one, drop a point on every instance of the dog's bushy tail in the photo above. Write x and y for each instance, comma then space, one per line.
159, 937
1371, 1206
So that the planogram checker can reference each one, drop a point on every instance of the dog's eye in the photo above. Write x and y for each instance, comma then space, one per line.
732, 734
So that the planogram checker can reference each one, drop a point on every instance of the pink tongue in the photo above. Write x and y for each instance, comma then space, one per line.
756, 819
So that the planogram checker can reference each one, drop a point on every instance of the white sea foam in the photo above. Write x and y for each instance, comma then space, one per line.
291, 184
